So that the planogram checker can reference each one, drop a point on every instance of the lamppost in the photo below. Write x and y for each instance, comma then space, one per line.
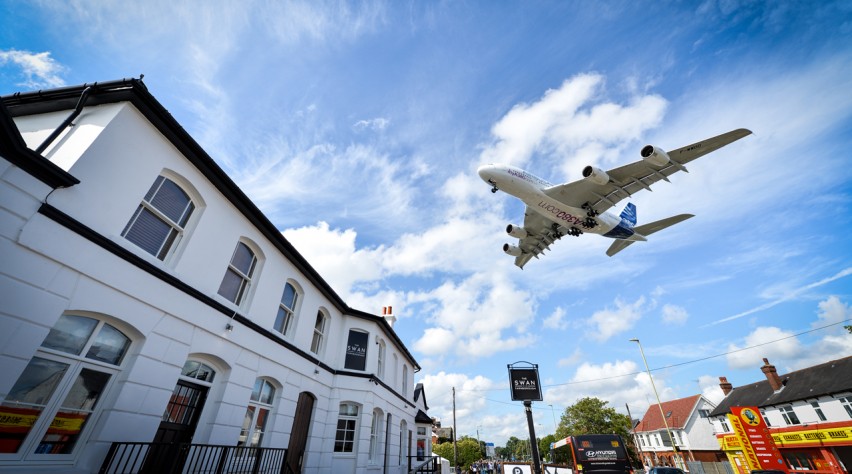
555, 426
659, 403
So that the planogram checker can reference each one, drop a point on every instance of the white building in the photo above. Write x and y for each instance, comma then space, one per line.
691, 431
146, 298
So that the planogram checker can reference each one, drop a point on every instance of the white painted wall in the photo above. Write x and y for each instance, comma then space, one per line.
49, 270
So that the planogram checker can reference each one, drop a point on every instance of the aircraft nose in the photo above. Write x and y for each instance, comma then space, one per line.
485, 172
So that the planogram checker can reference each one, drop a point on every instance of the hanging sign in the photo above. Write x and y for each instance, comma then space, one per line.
525, 383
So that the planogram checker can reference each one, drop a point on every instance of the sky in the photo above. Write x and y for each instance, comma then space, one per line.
357, 127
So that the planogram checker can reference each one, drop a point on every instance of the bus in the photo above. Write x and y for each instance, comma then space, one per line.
596, 454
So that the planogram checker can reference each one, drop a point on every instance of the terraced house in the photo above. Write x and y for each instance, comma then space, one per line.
807, 416
153, 318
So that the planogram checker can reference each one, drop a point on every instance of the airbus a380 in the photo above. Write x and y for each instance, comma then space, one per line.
554, 211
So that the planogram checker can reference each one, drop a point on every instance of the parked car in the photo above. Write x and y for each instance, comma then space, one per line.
666, 470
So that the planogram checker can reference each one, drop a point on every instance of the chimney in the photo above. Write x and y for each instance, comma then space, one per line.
771, 375
725, 385
387, 313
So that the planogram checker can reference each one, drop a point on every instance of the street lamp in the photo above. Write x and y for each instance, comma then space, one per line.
659, 403
552, 412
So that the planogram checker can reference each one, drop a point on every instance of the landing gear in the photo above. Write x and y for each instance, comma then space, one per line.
493, 185
590, 211
574, 232
494, 189
590, 223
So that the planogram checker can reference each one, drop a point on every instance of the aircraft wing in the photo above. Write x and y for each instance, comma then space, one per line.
628, 179
540, 235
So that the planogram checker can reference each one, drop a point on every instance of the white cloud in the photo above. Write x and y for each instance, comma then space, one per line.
673, 314
710, 388
556, 320
39, 69
608, 322
833, 311
572, 359
764, 342
376, 124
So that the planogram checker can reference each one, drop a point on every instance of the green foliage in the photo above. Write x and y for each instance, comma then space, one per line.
591, 415
469, 451
544, 446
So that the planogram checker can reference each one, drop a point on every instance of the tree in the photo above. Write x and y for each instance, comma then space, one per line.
591, 415
544, 446
468, 451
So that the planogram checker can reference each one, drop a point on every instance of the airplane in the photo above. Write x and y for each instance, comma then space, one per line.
582, 206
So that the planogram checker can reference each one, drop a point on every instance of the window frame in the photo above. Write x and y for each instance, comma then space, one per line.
75, 364
181, 228
259, 407
846, 403
318, 339
356, 420
381, 355
246, 285
376, 437
789, 415
404, 380
287, 326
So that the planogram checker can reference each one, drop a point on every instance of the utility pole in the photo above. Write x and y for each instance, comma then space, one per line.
455, 445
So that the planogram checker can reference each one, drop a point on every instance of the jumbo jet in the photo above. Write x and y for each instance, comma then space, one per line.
582, 206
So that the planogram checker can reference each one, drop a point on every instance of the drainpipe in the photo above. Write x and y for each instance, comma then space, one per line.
64, 125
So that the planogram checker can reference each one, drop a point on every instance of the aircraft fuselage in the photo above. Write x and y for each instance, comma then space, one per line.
530, 189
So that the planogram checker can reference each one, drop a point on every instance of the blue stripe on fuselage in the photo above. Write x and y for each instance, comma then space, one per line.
621, 231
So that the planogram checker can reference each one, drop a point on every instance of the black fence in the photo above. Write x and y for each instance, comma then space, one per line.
421, 465
185, 458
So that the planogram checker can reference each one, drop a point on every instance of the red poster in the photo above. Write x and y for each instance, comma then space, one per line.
758, 436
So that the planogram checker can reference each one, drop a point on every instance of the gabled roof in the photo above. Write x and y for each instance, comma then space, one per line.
824, 379
135, 92
677, 414
420, 392
422, 417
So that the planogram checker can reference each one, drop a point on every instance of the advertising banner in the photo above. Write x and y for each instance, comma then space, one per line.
748, 452
758, 437
525, 384
356, 351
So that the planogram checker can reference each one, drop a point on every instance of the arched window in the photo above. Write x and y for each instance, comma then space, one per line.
380, 369
347, 426
58, 391
159, 221
375, 436
257, 414
395, 371
404, 380
403, 441
287, 309
237, 279
318, 341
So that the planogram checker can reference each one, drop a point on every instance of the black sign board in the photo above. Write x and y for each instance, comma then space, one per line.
356, 350
525, 383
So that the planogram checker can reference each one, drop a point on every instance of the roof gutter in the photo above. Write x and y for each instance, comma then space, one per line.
66, 122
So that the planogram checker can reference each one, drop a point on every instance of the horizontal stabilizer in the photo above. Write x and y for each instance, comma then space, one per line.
646, 230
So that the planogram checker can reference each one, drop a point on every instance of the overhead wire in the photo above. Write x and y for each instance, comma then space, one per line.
665, 367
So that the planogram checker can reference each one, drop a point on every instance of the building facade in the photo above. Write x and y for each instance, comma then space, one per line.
146, 298
807, 413
691, 433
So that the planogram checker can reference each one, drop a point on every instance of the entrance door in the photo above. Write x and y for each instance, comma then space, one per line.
176, 427
299, 433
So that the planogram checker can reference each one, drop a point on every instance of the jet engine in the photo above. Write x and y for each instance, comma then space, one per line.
595, 175
655, 156
512, 250
515, 231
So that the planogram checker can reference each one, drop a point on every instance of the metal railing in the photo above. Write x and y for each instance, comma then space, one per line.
185, 458
430, 465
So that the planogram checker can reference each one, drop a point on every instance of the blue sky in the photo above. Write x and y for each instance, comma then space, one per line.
358, 127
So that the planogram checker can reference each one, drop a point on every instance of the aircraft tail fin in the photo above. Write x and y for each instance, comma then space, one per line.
645, 230
629, 214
